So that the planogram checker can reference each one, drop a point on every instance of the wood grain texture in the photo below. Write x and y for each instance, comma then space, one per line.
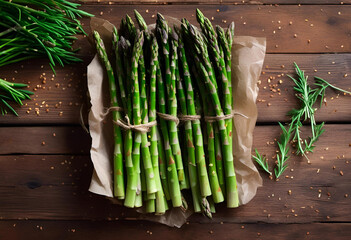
277, 97
77, 230
56, 99
331, 67
55, 186
44, 140
50, 181
183, 2
318, 24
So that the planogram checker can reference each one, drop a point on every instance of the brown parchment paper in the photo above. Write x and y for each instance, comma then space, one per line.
248, 56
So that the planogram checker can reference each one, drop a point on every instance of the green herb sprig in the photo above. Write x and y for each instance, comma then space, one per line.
283, 145
262, 161
12, 92
308, 96
32, 28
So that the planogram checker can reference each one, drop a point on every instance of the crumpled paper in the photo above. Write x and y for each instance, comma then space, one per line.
247, 60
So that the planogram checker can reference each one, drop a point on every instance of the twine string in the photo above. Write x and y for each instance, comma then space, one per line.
223, 117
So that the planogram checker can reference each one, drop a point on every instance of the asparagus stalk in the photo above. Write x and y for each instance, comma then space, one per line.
200, 48
232, 194
141, 22
162, 163
163, 31
231, 191
199, 145
205, 205
191, 159
124, 48
219, 62
194, 163
212, 171
219, 162
184, 184
145, 151
226, 40
160, 201
172, 176
119, 68
131, 31
118, 154
137, 49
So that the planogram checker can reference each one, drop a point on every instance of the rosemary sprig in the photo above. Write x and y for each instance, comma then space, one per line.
323, 85
33, 28
283, 156
262, 161
12, 92
308, 97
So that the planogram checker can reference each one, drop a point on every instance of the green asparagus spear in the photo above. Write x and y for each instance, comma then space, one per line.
163, 32
118, 154
160, 201
172, 176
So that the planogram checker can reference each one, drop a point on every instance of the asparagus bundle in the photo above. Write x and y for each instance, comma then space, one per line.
165, 77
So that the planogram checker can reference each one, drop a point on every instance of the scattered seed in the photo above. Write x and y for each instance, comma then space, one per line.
289, 192
341, 173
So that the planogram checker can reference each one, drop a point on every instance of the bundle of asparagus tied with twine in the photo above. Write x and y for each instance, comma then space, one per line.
172, 109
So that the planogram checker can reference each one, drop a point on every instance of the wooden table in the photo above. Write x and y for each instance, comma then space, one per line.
45, 166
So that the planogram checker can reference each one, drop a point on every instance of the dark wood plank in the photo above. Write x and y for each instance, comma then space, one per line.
328, 27
145, 230
56, 99
55, 186
236, 2
72, 98
44, 140
277, 96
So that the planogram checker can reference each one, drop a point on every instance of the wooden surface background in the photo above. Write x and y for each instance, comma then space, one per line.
45, 167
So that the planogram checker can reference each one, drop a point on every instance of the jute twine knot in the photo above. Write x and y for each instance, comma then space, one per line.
143, 128
189, 117
168, 117
223, 117
126, 125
